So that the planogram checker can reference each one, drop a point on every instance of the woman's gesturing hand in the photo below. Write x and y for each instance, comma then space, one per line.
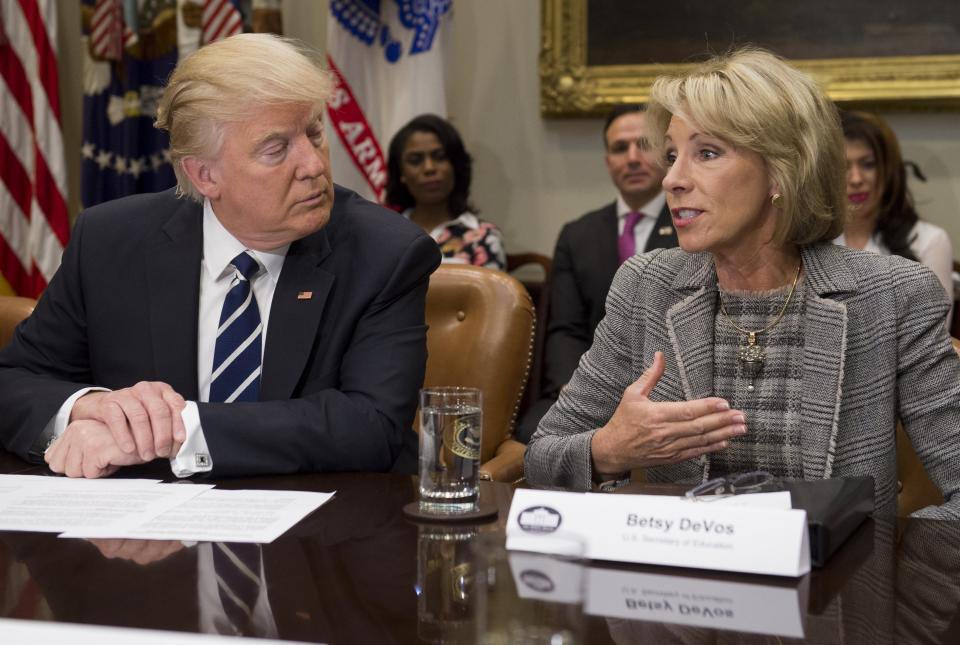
643, 433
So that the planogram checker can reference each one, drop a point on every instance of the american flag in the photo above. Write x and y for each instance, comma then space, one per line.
221, 19
106, 34
34, 225
122, 153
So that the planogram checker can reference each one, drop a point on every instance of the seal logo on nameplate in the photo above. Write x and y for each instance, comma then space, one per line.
539, 519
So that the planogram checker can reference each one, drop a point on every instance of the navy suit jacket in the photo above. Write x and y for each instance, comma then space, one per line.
341, 368
584, 262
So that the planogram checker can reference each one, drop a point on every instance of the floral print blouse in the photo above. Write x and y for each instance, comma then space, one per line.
470, 240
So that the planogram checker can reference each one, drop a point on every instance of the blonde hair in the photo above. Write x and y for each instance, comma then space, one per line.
754, 100
229, 81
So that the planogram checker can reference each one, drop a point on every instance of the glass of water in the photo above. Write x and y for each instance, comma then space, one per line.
451, 420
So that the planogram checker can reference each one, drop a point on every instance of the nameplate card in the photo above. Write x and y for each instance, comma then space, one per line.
778, 608
656, 529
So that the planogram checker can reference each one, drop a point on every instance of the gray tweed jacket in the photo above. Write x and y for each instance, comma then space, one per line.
875, 349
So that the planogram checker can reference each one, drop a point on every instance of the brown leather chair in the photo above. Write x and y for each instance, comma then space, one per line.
916, 490
539, 290
538, 287
481, 333
13, 309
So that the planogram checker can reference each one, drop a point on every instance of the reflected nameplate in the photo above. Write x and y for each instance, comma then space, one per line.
777, 609
545, 577
717, 604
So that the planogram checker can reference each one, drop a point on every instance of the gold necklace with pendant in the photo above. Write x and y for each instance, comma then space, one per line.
752, 354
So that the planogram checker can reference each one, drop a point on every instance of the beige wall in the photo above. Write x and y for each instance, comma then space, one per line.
533, 174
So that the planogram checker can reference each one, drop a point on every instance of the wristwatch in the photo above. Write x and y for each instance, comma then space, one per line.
611, 485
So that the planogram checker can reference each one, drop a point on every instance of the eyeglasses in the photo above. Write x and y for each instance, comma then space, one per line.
752, 482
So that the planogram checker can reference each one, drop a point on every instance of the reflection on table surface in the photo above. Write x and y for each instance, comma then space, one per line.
358, 571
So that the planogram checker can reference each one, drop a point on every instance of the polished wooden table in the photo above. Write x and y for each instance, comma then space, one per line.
358, 571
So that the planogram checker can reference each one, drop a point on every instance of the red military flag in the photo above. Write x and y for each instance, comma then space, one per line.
387, 60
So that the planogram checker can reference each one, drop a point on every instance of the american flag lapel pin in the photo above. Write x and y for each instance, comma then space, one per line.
305, 295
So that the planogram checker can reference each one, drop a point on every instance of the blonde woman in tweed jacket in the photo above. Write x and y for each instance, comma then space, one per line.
758, 344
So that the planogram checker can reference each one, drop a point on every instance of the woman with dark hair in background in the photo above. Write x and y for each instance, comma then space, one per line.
883, 218
429, 180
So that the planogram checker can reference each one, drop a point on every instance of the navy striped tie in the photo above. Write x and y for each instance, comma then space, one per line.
238, 581
237, 353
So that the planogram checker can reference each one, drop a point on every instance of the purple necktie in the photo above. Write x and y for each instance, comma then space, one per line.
627, 244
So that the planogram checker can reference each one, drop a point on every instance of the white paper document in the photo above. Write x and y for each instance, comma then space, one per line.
13, 483
62, 504
146, 509
219, 515
10, 484
35, 632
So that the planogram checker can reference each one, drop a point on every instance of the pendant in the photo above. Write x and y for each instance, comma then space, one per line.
751, 359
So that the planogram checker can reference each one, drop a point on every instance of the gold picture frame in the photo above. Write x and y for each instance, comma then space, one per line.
571, 87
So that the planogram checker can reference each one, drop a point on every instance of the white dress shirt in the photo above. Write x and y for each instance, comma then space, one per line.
931, 245
217, 276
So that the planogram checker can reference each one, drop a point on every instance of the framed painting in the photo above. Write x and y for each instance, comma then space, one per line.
878, 54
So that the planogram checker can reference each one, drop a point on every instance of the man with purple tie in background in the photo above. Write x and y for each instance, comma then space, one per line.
591, 248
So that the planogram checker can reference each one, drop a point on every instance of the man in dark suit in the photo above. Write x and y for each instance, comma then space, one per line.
591, 249
255, 320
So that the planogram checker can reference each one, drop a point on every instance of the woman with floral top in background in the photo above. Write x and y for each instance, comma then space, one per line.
429, 181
